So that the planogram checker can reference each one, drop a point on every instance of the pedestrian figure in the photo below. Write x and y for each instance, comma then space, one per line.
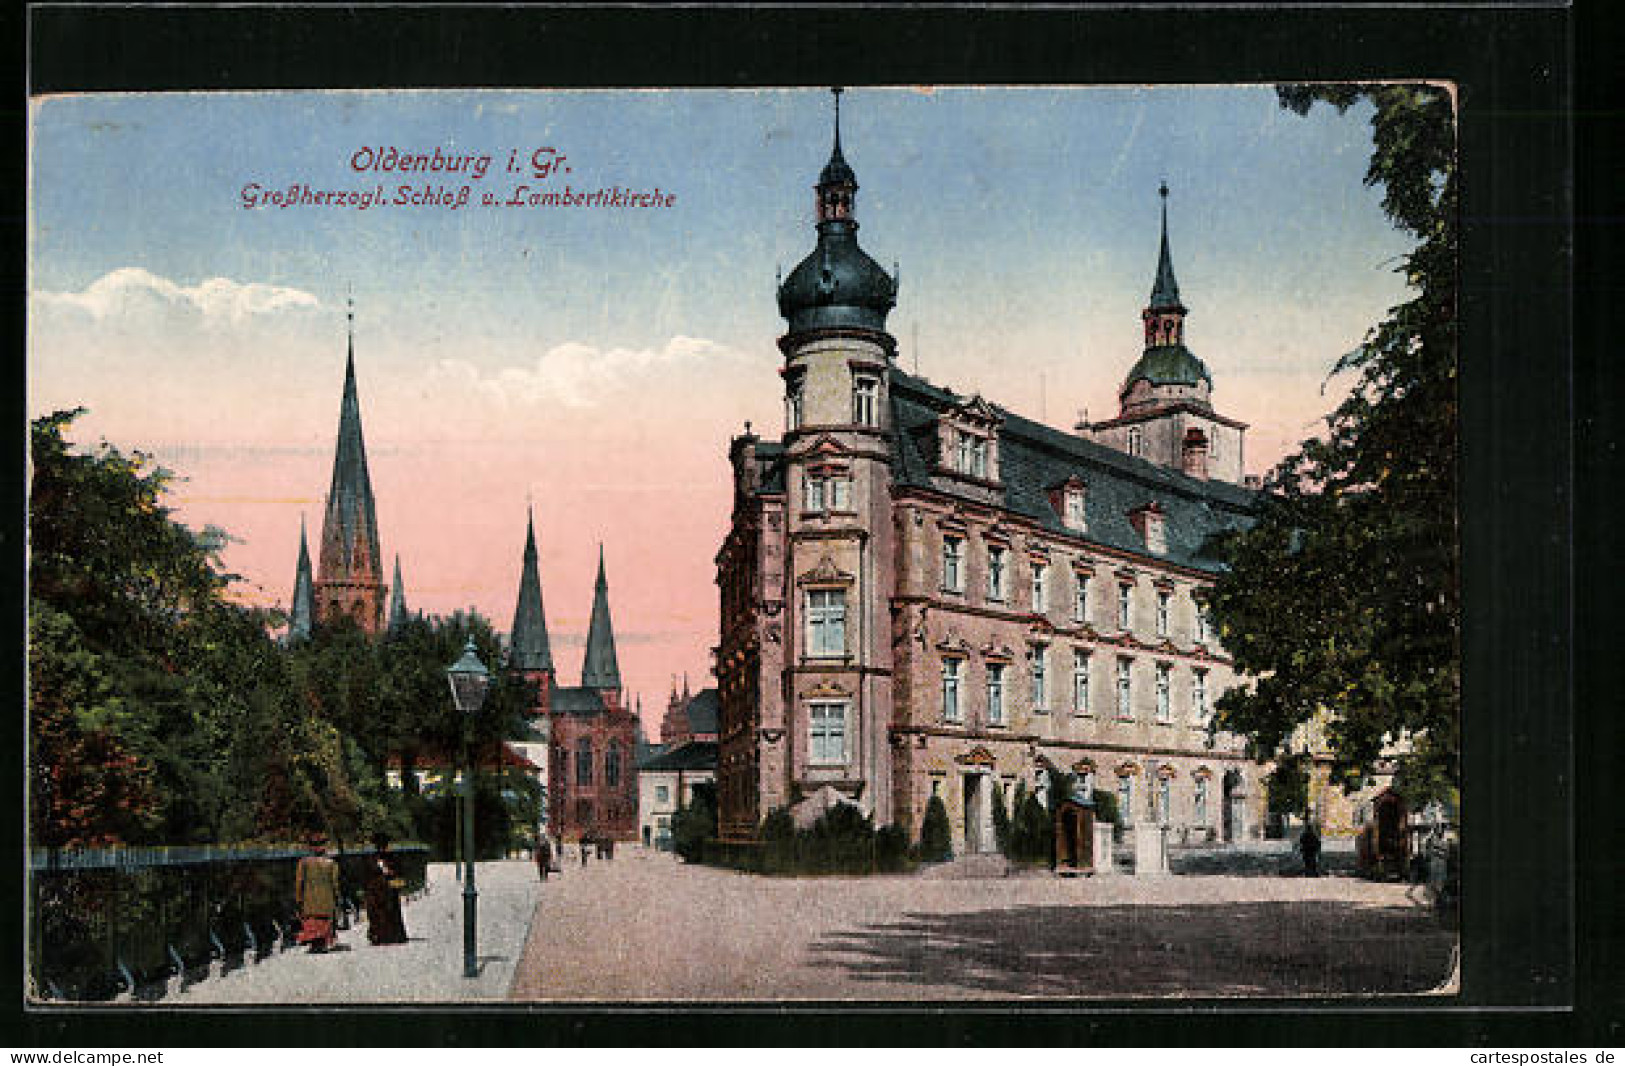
1309, 845
544, 855
382, 895
609, 847
586, 842
316, 894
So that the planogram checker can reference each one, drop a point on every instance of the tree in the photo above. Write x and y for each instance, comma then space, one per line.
1342, 601
695, 823
1286, 786
936, 837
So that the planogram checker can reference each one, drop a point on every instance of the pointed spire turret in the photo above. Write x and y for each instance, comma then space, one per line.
528, 644
398, 614
599, 668
350, 576
303, 614
1165, 290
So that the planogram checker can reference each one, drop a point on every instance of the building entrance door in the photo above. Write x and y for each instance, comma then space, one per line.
973, 814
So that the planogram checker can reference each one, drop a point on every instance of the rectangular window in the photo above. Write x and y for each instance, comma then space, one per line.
1125, 799
584, 761
840, 494
1073, 509
827, 729
950, 689
1163, 710
978, 457
826, 622
1125, 708
792, 405
953, 564
995, 694
1040, 677
962, 460
1040, 591
662, 793
1204, 624
1164, 800
864, 392
1080, 681
1199, 802
815, 494
1080, 603
1162, 612
1136, 441
1199, 707
1124, 601
995, 573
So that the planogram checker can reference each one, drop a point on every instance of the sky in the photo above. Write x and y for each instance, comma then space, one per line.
594, 361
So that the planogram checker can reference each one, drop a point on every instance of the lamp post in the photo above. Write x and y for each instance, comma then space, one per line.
469, 680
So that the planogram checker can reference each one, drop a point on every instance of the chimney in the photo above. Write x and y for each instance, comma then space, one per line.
1193, 454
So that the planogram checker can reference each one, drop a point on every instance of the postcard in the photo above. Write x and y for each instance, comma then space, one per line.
693, 546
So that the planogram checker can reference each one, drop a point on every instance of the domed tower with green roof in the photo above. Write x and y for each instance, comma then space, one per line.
837, 378
1165, 410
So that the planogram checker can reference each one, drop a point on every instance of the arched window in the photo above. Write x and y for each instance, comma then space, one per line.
612, 765
584, 761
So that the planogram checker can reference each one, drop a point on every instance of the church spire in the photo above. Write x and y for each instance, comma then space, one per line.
528, 645
599, 668
304, 597
1164, 316
350, 573
398, 614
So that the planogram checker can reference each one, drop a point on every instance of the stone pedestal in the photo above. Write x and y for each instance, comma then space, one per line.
1150, 851
1103, 849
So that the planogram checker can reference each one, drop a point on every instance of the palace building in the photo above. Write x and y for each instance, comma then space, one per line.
925, 593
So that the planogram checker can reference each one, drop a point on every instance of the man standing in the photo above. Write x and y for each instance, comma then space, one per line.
1309, 844
544, 855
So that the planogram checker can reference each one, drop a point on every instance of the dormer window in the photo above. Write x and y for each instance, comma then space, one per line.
1148, 522
1072, 508
865, 401
968, 440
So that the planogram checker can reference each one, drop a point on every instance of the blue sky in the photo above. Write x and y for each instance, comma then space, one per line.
599, 360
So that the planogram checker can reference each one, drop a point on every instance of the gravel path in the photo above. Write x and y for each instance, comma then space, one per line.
648, 928
428, 967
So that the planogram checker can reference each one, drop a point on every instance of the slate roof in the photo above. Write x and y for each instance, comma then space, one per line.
1034, 459
1168, 364
704, 711
695, 755
577, 701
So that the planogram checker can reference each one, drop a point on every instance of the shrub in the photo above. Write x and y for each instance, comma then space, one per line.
1106, 806
694, 824
841, 841
1031, 831
891, 849
1001, 821
936, 838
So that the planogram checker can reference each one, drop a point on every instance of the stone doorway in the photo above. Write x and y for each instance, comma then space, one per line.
975, 801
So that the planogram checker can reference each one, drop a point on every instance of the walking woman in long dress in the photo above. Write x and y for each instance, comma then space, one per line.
382, 895
316, 893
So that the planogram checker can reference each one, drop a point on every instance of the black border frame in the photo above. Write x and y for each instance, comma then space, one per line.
1519, 394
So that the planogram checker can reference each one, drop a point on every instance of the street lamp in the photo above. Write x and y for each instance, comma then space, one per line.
469, 679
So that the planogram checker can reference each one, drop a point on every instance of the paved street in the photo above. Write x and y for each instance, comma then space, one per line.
428, 967
645, 927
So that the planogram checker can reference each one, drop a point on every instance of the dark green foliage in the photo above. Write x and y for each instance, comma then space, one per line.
1286, 786
1106, 806
936, 836
161, 712
1343, 599
891, 849
1001, 820
1031, 831
695, 823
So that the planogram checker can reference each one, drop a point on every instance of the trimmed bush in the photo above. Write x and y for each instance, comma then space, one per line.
1001, 821
694, 824
891, 849
1106, 806
936, 838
